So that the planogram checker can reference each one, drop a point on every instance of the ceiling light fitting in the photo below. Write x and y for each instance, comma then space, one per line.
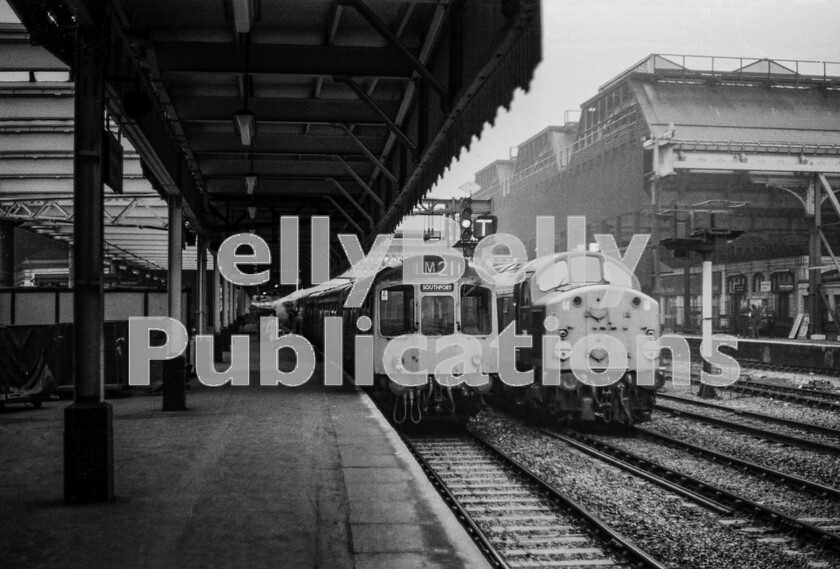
245, 125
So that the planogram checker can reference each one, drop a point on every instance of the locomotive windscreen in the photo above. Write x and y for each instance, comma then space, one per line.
437, 316
579, 269
476, 310
396, 311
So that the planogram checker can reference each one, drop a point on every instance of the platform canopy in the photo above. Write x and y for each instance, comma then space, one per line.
254, 109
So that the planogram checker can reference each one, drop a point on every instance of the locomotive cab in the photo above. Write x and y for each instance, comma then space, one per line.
586, 316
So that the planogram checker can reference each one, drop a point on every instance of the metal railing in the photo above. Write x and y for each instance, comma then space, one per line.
739, 68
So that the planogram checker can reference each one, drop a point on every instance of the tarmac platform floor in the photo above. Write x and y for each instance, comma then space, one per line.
247, 477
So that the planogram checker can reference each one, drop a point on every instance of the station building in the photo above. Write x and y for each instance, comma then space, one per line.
681, 147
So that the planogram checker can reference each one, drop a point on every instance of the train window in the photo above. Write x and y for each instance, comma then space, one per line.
476, 310
437, 315
396, 310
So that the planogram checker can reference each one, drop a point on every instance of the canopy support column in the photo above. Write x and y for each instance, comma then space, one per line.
174, 370
7, 253
88, 422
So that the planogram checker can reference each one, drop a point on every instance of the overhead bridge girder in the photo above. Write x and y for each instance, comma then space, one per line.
803, 171
673, 158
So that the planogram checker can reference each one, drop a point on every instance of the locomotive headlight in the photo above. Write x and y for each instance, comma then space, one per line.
563, 333
650, 332
569, 382
650, 350
562, 350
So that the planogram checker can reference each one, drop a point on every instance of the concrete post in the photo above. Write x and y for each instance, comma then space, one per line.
687, 324
88, 433
7, 253
70, 268
224, 301
707, 391
815, 257
175, 256
707, 302
655, 230
201, 285
217, 318
174, 370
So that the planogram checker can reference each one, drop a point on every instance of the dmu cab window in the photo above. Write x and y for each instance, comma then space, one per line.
437, 315
476, 310
396, 311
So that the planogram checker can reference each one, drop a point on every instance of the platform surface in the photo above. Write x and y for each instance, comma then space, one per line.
307, 477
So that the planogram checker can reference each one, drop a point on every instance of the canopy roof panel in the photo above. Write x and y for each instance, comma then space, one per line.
350, 108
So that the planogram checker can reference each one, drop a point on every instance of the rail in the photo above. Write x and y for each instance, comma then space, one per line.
714, 493
538, 490
755, 431
752, 415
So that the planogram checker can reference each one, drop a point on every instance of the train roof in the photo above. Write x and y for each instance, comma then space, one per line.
317, 290
344, 282
396, 273
511, 274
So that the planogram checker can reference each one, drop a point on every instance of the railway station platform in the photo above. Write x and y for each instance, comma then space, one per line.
823, 355
246, 477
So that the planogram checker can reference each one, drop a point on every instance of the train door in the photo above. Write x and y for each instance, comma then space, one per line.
782, 284
523, 322
523, 308
504, 311
396, 311
437, 311
476, 310
738, 308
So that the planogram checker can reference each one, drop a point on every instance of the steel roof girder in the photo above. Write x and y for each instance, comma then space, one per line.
21, 56
352, 200
281, 59
371, 156
392, 126
283, 144
284, 110
368, 14
361, 182
343, 212
670, 158
276, 169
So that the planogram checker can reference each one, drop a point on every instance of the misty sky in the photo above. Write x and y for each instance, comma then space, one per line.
587, 42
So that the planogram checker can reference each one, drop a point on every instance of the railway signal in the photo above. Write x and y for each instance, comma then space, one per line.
485, 225
466, 219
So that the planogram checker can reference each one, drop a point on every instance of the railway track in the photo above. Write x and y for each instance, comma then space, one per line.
810, 397
795, 482
783, 438
757, 364
821, 531
810, 427
516, 518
